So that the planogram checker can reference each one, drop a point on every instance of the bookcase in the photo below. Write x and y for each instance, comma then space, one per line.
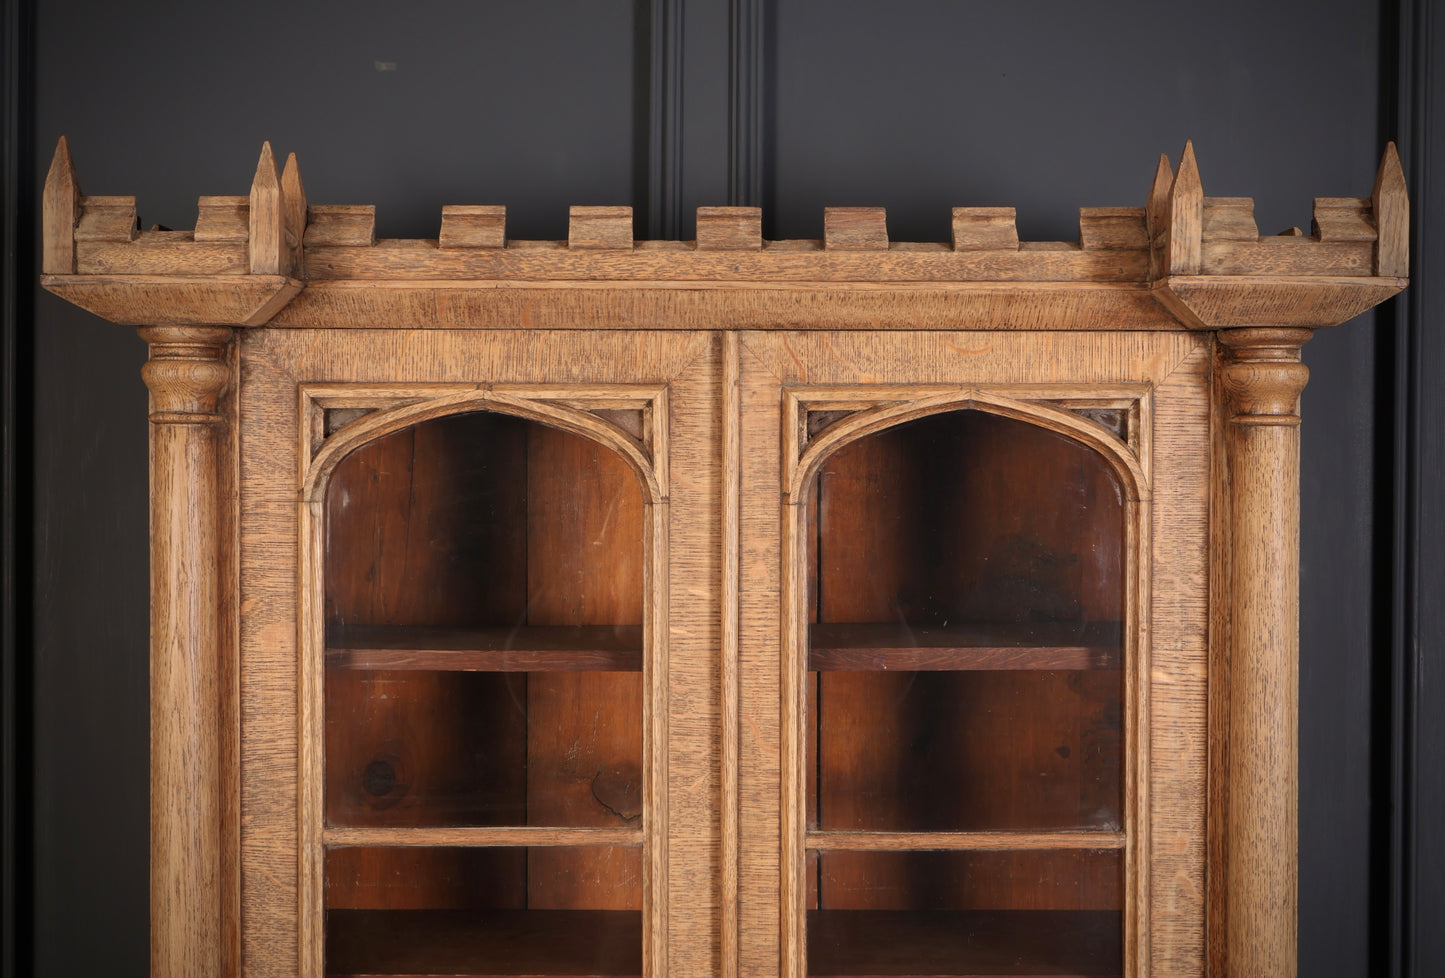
813, 609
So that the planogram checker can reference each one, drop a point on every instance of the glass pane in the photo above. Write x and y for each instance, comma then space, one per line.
483, 580
966, 600
485, 911
966, 913
965, 657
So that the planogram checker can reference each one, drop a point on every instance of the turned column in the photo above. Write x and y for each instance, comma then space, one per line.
1262, 378
186, 374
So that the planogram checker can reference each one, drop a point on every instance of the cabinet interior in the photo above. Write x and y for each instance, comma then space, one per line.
484, 608
965, 577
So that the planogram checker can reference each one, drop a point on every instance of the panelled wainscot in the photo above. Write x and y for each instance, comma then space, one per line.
727, 607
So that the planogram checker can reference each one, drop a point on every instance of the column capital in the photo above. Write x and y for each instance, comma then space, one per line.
187, 372
1262, 374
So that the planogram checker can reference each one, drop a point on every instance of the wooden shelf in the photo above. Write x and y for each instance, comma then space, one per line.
532, 648
899, 647
483, 943
965, 944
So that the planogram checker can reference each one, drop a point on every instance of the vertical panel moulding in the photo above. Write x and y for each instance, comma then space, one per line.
792, 653
1138, 649
186, 374
310, 723
311, 692
655, 704
1138, 515
1261, 379
731, 487
230, 666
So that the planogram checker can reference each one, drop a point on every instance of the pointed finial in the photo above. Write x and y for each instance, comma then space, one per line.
1392, 216
60, 210
1156, 215
1157, 206
268, 219
293, 194
1185, 249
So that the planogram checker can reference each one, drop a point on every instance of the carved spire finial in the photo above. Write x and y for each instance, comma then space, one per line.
293, 195
1392, 216
60, 210
268, 218
1184, 253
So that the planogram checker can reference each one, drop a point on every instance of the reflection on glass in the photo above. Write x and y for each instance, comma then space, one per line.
966, 594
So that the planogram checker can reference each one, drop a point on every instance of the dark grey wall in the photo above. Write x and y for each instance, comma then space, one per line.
537, 104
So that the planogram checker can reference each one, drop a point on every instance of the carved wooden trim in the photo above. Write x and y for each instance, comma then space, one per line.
875, 408
1183, 261
580, 409
1256, 873
187, 373
1263, 378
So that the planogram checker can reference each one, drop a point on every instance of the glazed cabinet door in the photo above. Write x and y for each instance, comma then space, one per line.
480, 683
973, 653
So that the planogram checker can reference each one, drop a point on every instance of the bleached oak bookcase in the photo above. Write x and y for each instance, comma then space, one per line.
729, 607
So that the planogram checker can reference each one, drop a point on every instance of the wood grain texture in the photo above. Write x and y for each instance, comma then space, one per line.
1229, 301
59, 212
728, 589
1391, 206
471, 277
905, 647
106, 219
729, 228
421, 877
1344, 219
473, 226
491, 835
1112, 228
692, 306
693, 944
339, 226
855, 229
1185, 233
1261, 380
293, 203
403, 260
1166, 858
496, 648
177, 301
599, 228
582, 366
155, 253
707, 831
1156, 215
584, 567
1291, 255
1229, 219
186, 375
985, 229
223, 219
267, 251
760, 828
